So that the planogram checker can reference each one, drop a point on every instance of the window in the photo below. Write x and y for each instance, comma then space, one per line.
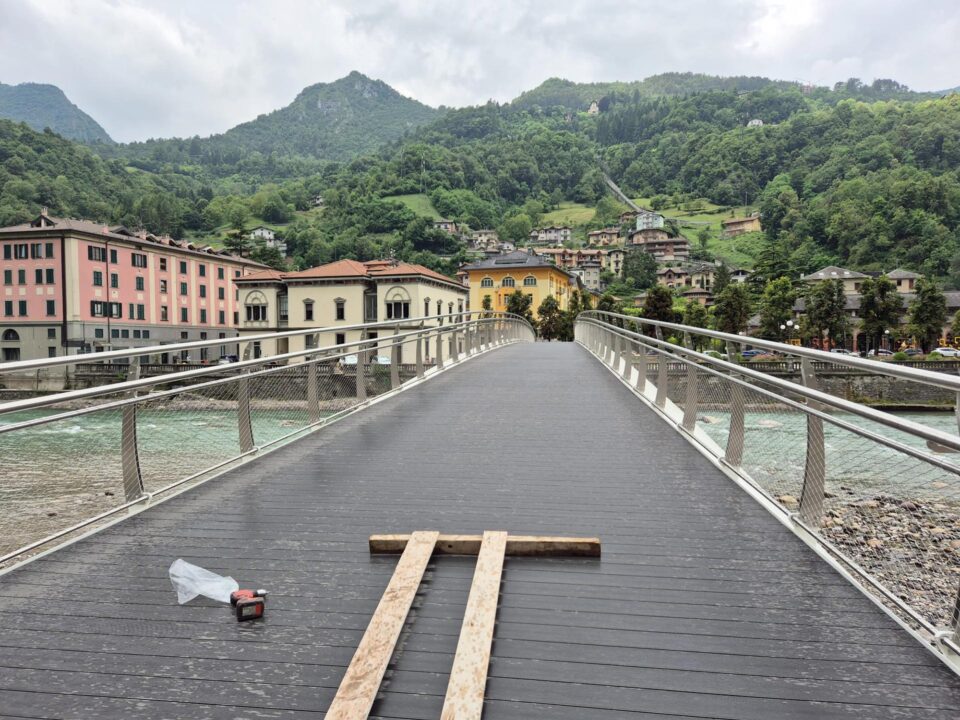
203, 291
8, 251
51, 351
36, 251
146, 334
308, 310
183, 315
114, 280
221, 293
203, 316
398, 310
125, 334
202, 269
203, 336
163, 287
341, 309
49, 276
51, 333
256, 313
8, 308
219, 273
11, 354
450, 308
38, 276
184, 335
139, 283
113, 256
529, 281
183, 288
51, 308
508, 282
163, 264
48, 250
486, 282
426, 307
8, 277
136, 334
22, 308
183, 267
341, 338
115, 309
164, 313
98, 333
222, 317
97, 254
139, 260
439, 307
131, 311
22, 276
97, 278
236, 273
141, 312
20, 252
236, 317
115, 333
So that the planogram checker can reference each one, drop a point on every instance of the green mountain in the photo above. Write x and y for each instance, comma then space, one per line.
45, 106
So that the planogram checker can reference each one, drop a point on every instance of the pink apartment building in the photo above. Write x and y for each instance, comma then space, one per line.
75, 286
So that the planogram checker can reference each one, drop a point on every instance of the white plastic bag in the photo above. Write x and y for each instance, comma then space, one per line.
191, 580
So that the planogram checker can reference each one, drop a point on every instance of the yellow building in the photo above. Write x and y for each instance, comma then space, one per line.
501, 275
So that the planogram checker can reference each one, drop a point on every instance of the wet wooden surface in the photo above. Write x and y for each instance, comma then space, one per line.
702, 605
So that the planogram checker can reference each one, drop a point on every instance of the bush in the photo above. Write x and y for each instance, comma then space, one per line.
934, 356
900, 357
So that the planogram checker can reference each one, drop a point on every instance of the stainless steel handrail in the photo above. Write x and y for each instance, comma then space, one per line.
42, 363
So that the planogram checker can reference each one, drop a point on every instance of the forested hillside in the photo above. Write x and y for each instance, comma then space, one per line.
842, 175
45, 106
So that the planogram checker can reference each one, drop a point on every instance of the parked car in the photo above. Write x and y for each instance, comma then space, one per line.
913, 352
378, 360
948, 352
879, 353
752, 353
227, 359
842, 351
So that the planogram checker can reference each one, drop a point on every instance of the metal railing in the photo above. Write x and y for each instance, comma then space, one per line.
80, 457
875, 492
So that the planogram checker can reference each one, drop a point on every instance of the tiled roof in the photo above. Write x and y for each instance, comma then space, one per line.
353, 269
901, 274
519, 258
834, 272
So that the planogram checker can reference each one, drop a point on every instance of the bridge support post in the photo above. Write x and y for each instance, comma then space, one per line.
662, 377
419, 359
454, 339
313, 395
734, 452
244, 422
815, 470
361, 376
626, 354
690, 407
641, 367
395, 361
129, 452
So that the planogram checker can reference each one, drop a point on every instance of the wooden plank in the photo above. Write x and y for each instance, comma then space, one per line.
468, 678
517, 545
360, 684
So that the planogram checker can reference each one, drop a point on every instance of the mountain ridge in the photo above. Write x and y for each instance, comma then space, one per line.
41, 105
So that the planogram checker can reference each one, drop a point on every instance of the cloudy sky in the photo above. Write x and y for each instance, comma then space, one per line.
158, 68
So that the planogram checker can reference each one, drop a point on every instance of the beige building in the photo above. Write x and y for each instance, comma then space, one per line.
606, 236
341, 294
851, 278
551, 235
738, 226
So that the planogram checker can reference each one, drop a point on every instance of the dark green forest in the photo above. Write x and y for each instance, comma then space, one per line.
864, 175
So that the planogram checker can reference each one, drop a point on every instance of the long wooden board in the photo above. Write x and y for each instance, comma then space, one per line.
468, 678
539, 545
360, 684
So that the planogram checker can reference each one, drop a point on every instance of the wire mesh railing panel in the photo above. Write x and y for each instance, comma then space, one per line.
713, 416
278, 403
57, 474
184, 434
895, 515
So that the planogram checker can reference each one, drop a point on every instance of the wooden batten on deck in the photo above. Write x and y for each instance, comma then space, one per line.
517, 545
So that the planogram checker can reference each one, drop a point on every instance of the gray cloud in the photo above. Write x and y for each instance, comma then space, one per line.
179, 67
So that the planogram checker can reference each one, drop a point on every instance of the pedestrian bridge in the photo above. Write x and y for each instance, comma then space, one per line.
769, 549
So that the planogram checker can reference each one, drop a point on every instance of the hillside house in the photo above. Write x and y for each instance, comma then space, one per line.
269, 238
606, 236
551, 235
659, 244
448, 226
738, 226
648, 221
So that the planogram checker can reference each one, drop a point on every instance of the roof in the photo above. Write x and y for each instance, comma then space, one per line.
44, 224
834, 272
674, 270
353, 269
735, 220
516, 259
852, 302
901, 274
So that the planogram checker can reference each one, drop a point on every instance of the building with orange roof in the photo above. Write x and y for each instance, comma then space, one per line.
343, 294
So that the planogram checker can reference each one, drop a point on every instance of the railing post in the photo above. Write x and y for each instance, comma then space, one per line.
129, 452
734, 453
439, 344
395, 360
815, 468
454, 355
313, 395
361, 375
690, 407
244, 420
662, 377
419, 359
641, 367
626, 354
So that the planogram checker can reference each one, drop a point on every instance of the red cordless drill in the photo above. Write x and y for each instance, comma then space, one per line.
250, 604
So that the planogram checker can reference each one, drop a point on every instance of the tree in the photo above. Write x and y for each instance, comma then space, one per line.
880, 309
486, 304
955, 326
550, 325
516, 228
658, 304
268, 256
776, 307
721, 278
608, 303
928, 313
639, 269
826, 311
732, 309
696, 315
519, 303
239, 243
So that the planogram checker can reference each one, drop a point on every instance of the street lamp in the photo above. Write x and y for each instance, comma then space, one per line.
886, 335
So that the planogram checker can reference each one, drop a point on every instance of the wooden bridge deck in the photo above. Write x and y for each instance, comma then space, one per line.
703, 606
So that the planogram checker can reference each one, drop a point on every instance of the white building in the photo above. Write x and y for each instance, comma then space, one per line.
649, 221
